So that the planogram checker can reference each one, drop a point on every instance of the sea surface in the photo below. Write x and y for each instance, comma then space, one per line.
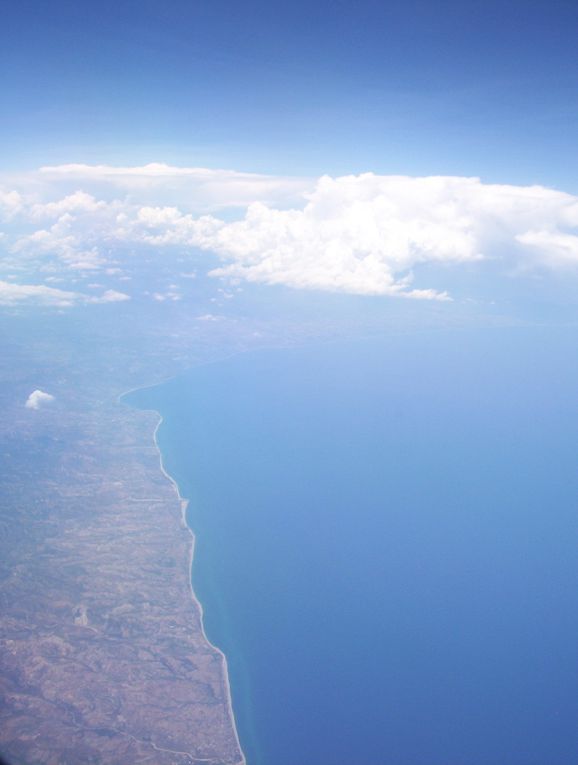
387, 544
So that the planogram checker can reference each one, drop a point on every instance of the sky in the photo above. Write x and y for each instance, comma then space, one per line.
455, 88
218, 156
395, 149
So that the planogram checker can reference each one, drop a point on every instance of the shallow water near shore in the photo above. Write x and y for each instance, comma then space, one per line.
387, 544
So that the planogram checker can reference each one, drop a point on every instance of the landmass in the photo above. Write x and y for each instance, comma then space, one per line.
103, 658
103, 654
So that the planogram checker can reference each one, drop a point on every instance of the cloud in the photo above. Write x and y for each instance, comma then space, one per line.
362, 234
368, 234
77, 202
39, 294
553, 247
37, 398
194, 188
70, 241
173, 295
15, 294
10, 204
109, 296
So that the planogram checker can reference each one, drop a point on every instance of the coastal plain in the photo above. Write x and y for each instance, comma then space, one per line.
103, 657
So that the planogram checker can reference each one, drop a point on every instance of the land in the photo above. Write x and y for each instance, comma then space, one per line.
103, 658
102, 652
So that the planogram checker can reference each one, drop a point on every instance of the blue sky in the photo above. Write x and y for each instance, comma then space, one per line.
323, 147
487, 89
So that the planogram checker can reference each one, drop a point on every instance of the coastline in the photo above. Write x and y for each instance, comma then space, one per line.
184, 504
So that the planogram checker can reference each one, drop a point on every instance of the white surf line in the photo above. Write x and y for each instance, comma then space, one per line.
184, 504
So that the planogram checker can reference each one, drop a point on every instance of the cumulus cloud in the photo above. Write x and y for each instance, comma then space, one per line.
173, 295
108, 296
70, 241
78, 202
366, 234
37, 399
11, 203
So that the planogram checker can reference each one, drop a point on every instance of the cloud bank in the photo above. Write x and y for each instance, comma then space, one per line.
193, 188
367, 234
364, 234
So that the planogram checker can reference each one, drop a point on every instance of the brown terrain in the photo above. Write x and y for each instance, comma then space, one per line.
102, 654
103, 658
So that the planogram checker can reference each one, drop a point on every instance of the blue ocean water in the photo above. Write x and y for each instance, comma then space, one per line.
387, 544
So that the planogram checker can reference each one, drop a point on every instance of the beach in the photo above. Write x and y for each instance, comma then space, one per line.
225, 674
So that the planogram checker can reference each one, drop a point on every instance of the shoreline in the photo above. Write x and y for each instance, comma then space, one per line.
184, 504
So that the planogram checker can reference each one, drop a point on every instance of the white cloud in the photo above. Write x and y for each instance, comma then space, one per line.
367, 234
10, 204
37, 399
70, 241
554, 248
73, 203
197, 188
39, 294
109, 296
173, 295
364, 234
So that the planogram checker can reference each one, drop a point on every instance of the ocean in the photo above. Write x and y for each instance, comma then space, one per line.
387, 544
